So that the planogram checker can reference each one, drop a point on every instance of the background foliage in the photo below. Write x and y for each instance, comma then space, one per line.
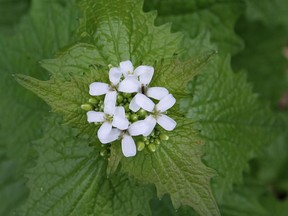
237, 103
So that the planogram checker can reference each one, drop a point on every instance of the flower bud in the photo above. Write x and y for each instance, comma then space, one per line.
140, 145
86, 107
152, 147
164, 136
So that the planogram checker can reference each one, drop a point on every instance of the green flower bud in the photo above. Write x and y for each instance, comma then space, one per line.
142, 113
152, 147
140, 145
93, 100
119, 98
103, 152
126, 107
127, 95
157, 141
127, 115
144, 138
101, 107
134, 117
164, 137
86, 107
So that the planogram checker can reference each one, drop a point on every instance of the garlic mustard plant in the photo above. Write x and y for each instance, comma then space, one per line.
128, 111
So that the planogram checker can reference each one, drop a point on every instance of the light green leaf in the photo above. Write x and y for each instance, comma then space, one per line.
197, 16
64, 97
176, 168
234, 126
70, 179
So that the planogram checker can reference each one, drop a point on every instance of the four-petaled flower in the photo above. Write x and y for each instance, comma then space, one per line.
157, 112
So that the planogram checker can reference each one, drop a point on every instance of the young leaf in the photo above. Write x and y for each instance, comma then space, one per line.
70, 179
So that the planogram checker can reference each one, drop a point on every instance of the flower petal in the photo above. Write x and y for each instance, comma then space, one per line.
115, 75
110, 102
151, 122
138, 128
120, 122
93, 116
104, 130
133, 105
145, 74
112, 136
129, 85
126, 67
98, 88
166, 103
128, 146
144, 102
119, 111
166, 122
157, 92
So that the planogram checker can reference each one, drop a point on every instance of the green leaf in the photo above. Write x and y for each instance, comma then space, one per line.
120, 30
64, 97
276, 207
144, 43
70, 179
197, 16
176, 168
263, 59
233, 125
12, 189
21, 53
175, 75
44, 30
11, 12
244, 200
278, 9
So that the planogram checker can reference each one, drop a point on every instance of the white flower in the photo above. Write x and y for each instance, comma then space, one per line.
99, 88
127, 143
135, 79
153, 92
106, 133
144, 74
157, 112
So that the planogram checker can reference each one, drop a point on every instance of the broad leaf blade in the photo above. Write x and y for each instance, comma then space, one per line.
233, 124
70, 179
121, 30
176, 168
21, 114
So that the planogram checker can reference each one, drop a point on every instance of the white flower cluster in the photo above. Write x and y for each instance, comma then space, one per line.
129, 110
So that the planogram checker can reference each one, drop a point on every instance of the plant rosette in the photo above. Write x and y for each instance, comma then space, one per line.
128, 111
